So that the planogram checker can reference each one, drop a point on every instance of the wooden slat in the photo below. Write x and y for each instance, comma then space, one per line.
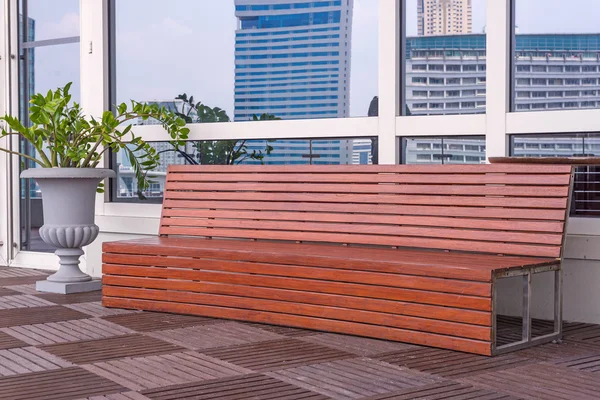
405, 169
462, 315
445, 244
321, 311
297, 271
531, 204
455, 190
360, 210
371, 178
426, 339
384, 219
465, 266
349, 289
368, 229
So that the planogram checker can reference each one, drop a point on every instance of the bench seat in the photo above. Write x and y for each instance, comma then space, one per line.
430, 298
405, 253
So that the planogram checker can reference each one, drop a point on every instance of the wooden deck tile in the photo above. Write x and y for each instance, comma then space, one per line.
22, 301
541, 381
165, 370
589, 363
7, 292
446, 390
285, 330
28, 359
450, 364
110, 349
95, 309
254, 386
37, 315
215, 335
152, 321
356, 345
279, 354
60, 384
8, 342
66, 331
354, 378
21, 280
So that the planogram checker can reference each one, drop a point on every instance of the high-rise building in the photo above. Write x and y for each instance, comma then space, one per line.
292, 58
444, 17
447, 74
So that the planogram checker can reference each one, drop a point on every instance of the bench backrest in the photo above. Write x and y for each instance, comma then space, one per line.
508, 209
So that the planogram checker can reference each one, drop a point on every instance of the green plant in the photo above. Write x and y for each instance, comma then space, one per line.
63, 137
216, 152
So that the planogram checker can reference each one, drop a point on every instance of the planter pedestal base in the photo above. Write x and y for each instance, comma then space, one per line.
68, 288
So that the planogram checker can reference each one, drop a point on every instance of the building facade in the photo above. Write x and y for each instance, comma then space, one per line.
447, 74
444, 17
292, 58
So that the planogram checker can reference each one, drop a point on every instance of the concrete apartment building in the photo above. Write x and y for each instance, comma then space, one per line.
447, 74
444, 17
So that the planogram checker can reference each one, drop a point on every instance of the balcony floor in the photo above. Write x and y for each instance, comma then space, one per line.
56, 347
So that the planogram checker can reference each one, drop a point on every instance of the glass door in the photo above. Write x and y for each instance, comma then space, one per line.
48, 34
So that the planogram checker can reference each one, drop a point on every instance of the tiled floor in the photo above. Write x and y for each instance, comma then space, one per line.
69, 347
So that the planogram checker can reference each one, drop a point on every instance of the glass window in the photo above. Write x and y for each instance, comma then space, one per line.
267, 45
524, 95
539, 68
268, 152
585, 201
443, 150
562, 41
43, 66
436, 93
451, 37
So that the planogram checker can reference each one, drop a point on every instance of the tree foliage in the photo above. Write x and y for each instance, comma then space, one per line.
217, 152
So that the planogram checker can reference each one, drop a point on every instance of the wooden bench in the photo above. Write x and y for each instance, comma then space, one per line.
405, 253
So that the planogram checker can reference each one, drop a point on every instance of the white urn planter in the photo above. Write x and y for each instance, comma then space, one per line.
68, 200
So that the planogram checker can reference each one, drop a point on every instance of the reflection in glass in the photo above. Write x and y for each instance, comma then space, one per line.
250, 152
443, 150
585, 201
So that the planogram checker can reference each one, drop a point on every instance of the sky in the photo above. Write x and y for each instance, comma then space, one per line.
188, 46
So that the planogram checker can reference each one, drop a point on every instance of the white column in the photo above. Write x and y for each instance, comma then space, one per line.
94, 63
94, 76
390, 13
498, 42
4, 176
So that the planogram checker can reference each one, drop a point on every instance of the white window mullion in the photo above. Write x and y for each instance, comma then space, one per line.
390, 43
4, 175
94, 76
498, 58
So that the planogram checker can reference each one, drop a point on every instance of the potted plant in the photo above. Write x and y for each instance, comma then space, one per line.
69, 148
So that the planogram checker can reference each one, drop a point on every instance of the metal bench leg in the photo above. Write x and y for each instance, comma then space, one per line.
527, 307
558, 303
